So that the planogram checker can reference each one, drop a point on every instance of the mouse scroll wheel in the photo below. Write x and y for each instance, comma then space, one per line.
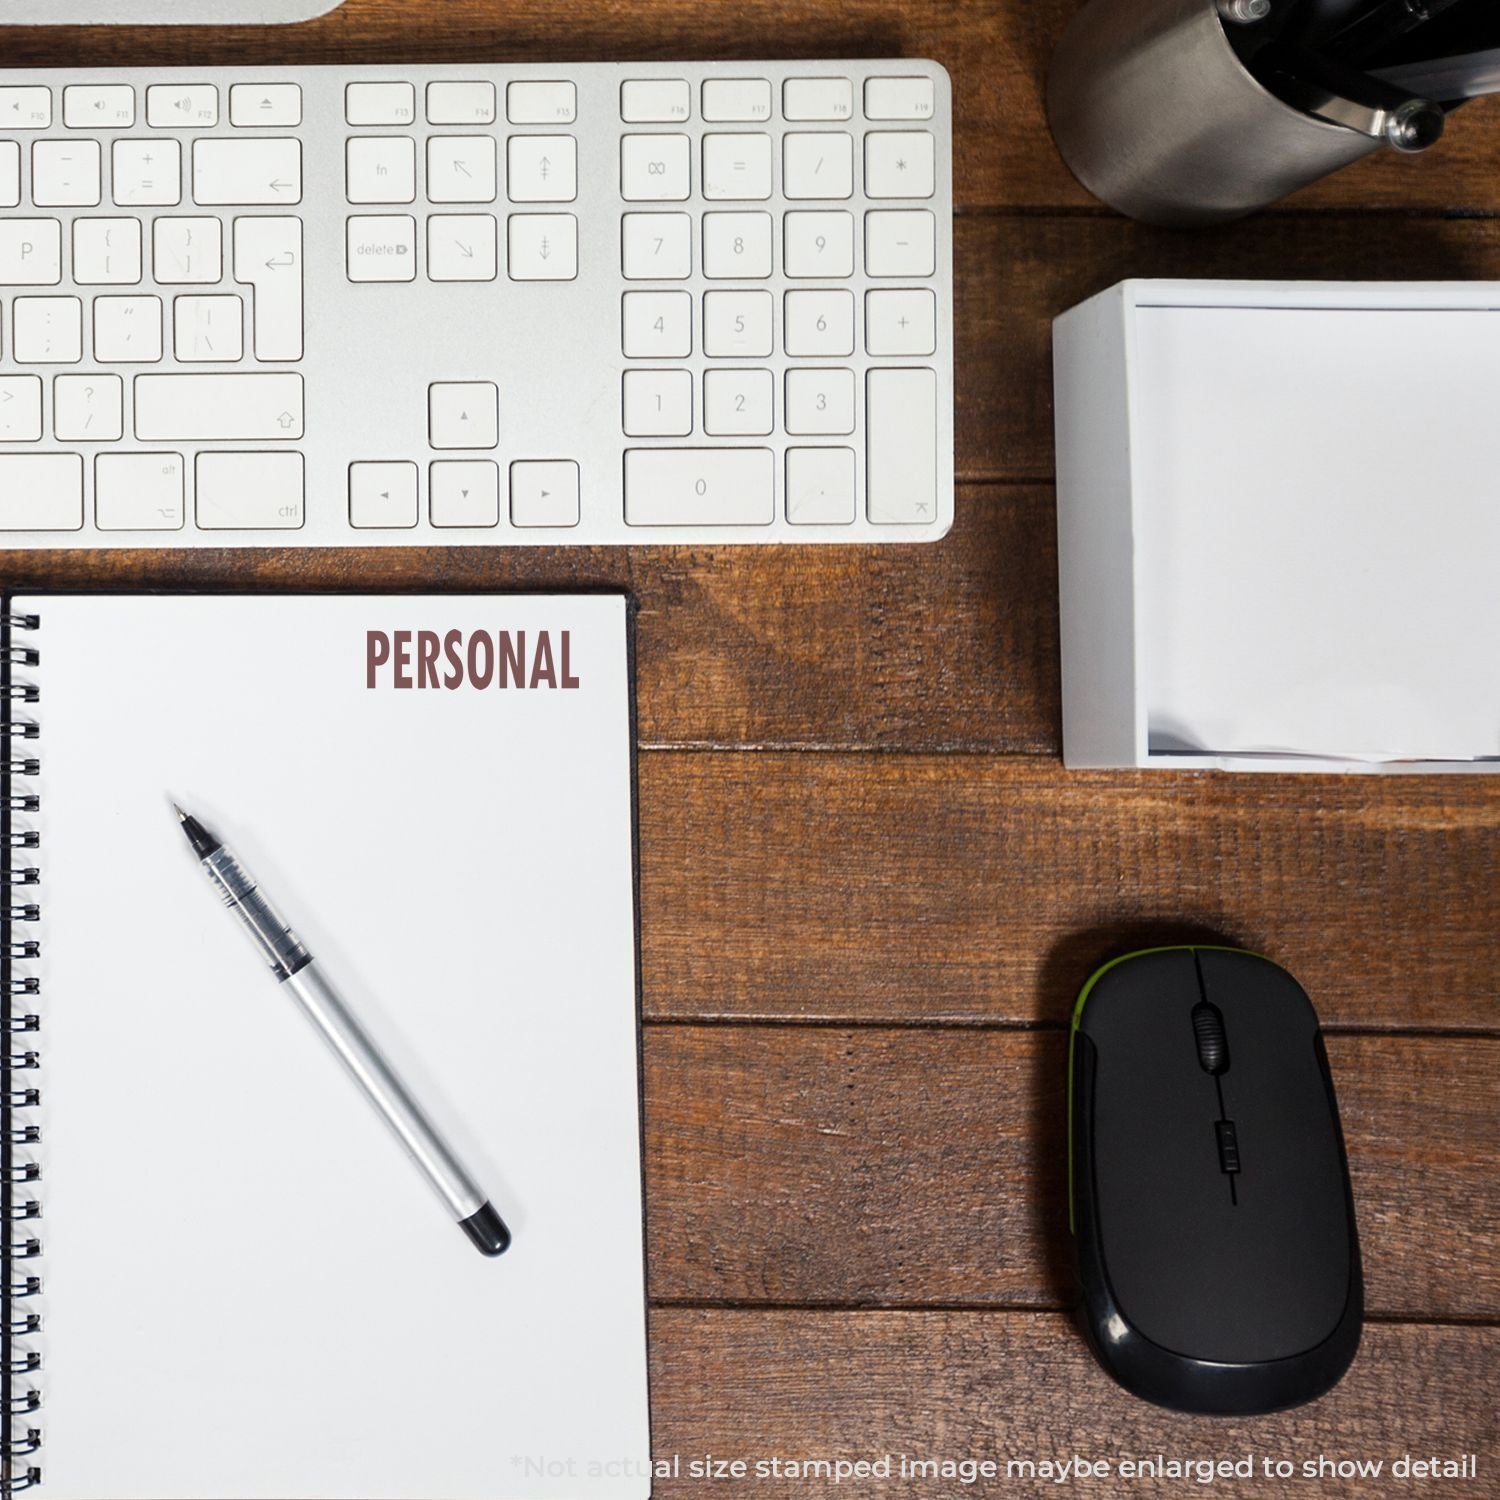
1213, 1045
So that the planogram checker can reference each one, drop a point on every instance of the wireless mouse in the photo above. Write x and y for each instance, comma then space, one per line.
1209, 1192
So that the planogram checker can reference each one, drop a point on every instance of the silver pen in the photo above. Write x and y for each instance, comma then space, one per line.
296, 971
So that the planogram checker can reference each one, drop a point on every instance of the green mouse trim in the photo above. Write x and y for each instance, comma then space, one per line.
1082, 1000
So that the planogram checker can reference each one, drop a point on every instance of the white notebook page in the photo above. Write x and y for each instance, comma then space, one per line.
249, 1291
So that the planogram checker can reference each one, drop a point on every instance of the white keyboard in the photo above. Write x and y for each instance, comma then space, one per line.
602, 303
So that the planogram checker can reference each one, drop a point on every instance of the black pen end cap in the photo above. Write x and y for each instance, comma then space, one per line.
487, 1230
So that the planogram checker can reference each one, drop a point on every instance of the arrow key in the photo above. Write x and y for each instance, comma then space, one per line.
463, 414
544, 493
383, 495
464, 492
461, 247
541, 169
543, 247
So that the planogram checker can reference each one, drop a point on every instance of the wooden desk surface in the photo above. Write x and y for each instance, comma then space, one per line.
870, 892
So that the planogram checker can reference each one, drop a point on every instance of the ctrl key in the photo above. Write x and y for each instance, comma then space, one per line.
249, 491
41, 492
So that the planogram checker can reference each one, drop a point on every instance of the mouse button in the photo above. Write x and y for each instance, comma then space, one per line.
1252, 992
1292, 1195
1139, 997
1158, 1190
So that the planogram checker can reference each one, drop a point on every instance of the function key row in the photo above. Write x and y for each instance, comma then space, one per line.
461, 103
662, 101
169, 106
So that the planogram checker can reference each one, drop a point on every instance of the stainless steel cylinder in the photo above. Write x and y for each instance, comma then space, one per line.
1156, 115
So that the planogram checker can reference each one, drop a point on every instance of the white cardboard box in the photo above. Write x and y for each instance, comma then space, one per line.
1279, 526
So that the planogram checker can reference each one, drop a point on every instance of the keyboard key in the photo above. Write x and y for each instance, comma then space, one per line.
265, 104
460, 104
20, 408
820, 487
543, 492
147, 174
249, 491
41, 492
655, 168
901, 444
658, 403
736, 166
261, 169
899, 99
899, 164
738, 403
817, 99
383, 496
737, 325
208, 330
820, 323
657, 247
47, 330
106, 252
10, 174
533, 102
541, 169
461, 169
542, 247
185, 251
903, 322
65, 174
818, 164
108, 107
900, 242
25, 108
139, 491
182, 106
88, 408
380, 169
30, 252
737, 247
462, 247
464, 492
736, 99
217, 408
380, 104
819, 243
127, 330
700, 487
463, 414
819, 402
657, 325
268, 257
382, 247
648, 101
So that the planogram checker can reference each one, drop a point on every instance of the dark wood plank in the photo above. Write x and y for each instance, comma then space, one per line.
958, 889
1021, 1385
947, 646
879, 1167
997, 52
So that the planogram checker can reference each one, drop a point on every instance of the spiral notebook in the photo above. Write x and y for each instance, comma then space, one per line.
224, 1279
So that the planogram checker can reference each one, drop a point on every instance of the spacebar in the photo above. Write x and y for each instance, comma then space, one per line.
208, 407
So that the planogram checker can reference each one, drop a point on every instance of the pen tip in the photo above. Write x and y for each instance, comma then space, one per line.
181, 816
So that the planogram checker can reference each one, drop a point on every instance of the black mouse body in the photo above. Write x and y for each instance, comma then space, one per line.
1211, 1208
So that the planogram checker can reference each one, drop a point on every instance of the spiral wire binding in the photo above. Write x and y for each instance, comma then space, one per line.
20, 1395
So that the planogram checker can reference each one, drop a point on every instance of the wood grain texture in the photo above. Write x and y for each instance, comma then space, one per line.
962, 1384
996, 50
883, 1168
950, 888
